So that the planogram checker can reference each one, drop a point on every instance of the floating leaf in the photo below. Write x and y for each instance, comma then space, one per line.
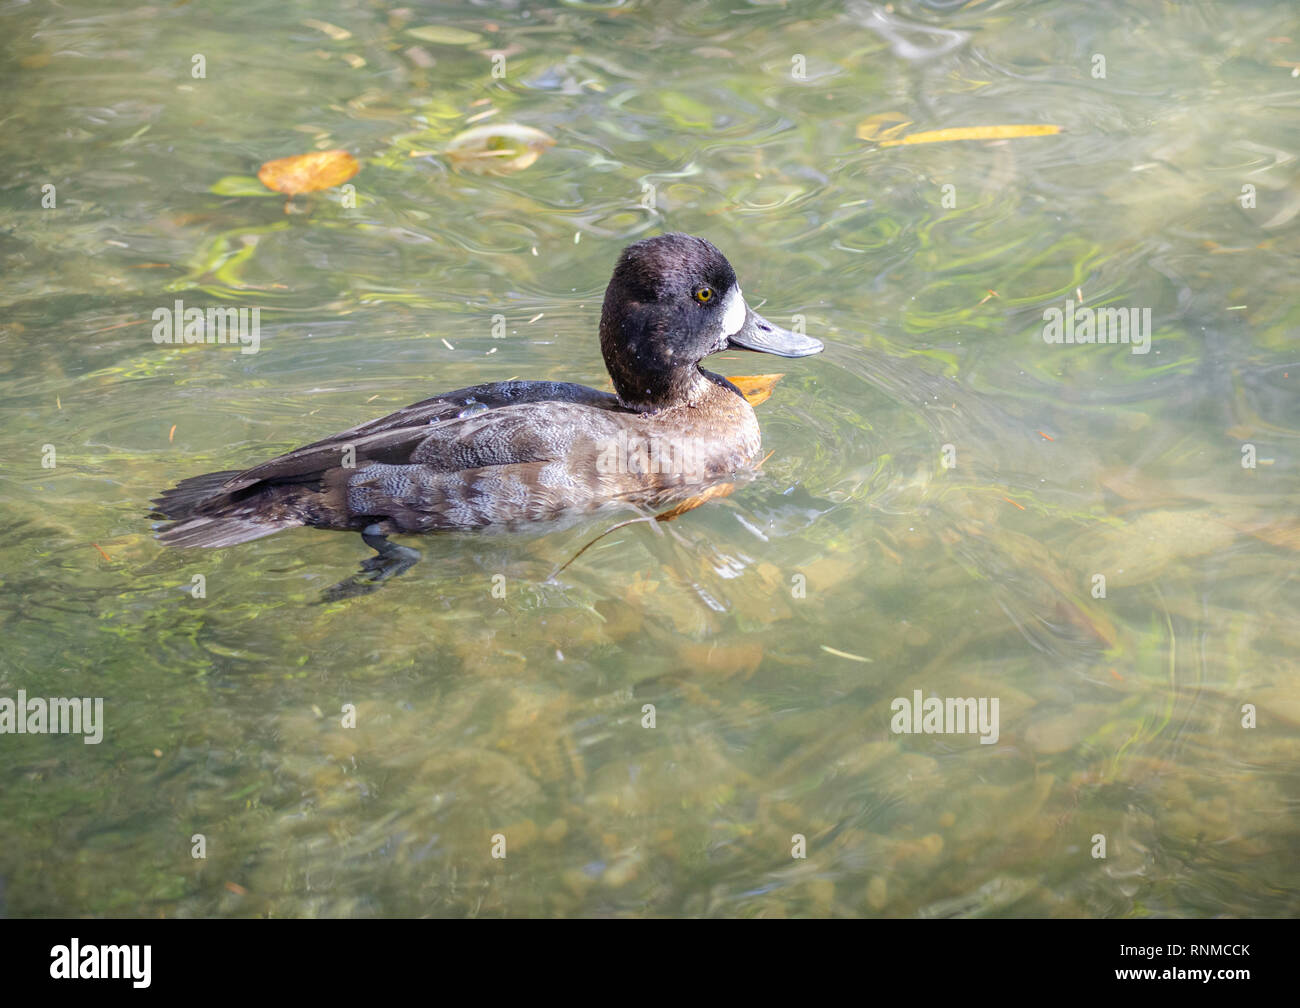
445, 36
974, 133
497, 149
302, 173
755, 388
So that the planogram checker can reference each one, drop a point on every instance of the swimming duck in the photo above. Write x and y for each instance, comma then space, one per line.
508, 453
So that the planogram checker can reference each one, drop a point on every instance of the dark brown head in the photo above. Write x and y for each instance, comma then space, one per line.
672, 301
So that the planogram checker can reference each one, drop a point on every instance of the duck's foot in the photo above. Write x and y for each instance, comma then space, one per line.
389, 561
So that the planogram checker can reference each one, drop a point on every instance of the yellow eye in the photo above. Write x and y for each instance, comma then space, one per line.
704, 295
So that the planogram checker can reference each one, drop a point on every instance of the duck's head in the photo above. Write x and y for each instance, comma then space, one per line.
672, 301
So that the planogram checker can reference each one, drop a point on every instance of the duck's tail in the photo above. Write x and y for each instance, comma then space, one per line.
203, 514
181, 500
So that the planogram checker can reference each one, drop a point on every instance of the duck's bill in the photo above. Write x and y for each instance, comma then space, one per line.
757, 333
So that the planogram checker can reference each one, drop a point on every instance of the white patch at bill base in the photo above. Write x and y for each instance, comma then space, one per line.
733, 315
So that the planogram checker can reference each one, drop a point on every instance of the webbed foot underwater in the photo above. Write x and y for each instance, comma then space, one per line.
517, 452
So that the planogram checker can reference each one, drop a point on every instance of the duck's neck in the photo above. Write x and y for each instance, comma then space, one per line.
647, 374
652, 392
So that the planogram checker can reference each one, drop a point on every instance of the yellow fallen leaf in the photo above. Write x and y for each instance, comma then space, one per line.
755, 388
974, 133
498, 149
302, 173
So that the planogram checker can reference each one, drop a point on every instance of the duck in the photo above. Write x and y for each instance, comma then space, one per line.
514, 453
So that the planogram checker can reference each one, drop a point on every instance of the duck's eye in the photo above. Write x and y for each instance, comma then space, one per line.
704, 295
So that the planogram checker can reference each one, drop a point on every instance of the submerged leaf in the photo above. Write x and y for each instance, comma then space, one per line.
238, 185
882, 126
302, 173
1139, 551
845, 654
755, 388
1284, 533
332, 30
974, 133
445, 36
497, 149
691, 503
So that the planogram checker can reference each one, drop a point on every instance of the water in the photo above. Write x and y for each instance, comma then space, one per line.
945, 487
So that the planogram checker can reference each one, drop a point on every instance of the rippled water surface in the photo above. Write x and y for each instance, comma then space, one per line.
1101, 540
